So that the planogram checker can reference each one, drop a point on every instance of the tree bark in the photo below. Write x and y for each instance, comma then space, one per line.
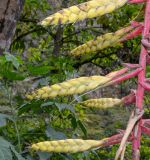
59, 33
9, 14
58, 41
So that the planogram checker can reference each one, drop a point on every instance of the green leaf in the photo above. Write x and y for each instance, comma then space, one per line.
2, 121
62, 106
6, 150
33, 105
44, 155
74, 122
7, 153
10, 58
2, 60
3, 118
47, 104
17, 155
81, 125
39, 70
11, 75
52, 133
2, 157
4, 143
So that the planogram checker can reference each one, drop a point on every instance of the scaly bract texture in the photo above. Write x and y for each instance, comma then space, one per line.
101, 42
67, 146
70, 87
102, 102
82, 11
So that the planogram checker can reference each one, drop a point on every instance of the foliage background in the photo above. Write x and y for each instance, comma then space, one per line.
38, 57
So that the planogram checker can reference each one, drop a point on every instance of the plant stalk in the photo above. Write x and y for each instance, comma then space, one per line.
140, 89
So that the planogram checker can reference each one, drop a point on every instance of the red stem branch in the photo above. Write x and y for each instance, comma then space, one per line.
148, 59
115, 74
133, 34
141, 79
116, 139
130, 98
127, 76
145, 130
146, 122
136, 1
146, 86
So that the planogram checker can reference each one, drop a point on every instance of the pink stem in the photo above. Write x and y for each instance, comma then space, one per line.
129, 99
146, 122
148, 59
127, 76
116, 139
117, 73
146, 43
133, 34
145, 130
136, 24
129, 65
146, 86
136, 1
140, 90
147, 80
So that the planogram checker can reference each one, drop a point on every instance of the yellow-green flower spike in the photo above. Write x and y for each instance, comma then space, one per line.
70, 87
102, 103
101, 42
90, 9
68, 145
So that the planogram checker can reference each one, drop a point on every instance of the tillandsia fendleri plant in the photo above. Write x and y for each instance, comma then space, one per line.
136, 125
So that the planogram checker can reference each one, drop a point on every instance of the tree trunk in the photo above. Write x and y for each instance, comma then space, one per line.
9, 13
